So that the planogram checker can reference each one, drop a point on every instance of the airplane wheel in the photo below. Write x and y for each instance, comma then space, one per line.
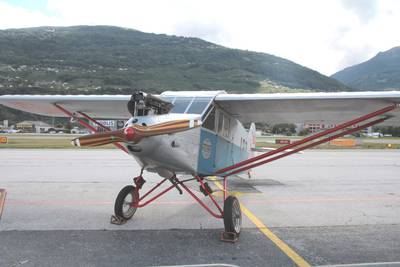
232, 215
124, 203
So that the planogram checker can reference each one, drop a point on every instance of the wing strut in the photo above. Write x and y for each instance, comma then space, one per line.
87, 125
94, 121
298, 145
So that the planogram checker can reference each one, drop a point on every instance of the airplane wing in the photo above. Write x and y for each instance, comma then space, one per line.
96, 106
308, 107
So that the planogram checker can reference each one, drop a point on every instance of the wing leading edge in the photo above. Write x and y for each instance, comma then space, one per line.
267, 108
96, 106
308, 107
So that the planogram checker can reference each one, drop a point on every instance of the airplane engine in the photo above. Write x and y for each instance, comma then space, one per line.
142, 104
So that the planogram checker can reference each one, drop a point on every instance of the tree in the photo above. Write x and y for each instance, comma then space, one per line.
284, 128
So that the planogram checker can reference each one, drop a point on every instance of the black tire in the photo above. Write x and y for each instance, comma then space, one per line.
232, 215
123, 207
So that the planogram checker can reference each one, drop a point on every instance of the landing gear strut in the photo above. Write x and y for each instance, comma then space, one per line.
128, 200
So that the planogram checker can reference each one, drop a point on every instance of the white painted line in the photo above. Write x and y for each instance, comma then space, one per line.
201, 265
367, 264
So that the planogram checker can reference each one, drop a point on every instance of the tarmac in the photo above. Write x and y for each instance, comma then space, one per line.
322, 207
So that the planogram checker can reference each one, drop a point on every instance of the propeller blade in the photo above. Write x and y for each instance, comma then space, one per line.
134, 133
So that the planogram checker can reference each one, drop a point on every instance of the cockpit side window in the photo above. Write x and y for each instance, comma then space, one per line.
220, 121
227, 126
209, 122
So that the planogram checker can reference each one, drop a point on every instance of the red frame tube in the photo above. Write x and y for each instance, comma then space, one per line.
94, 121
216, 215
219, 216
249, 163
155, 197
88, 126
306, 146
151, 190
209, 194
70, 114
308, 139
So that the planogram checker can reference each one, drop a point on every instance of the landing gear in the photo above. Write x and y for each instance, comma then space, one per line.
126, 202
232, 215
206, 190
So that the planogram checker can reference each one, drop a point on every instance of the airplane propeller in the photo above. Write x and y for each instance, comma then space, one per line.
134, 133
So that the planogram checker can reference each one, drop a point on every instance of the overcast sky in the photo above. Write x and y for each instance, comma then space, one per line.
325, 35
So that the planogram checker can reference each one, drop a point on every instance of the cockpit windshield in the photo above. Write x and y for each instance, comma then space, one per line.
189, 105
180, 105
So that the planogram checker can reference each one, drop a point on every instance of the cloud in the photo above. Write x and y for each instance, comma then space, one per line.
322, 35
355, 56
211, 31
366, 10
19, 17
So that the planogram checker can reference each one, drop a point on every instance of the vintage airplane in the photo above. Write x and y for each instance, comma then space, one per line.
201, 134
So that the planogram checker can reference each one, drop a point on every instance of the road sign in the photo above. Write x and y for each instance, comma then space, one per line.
282, 141
3, 140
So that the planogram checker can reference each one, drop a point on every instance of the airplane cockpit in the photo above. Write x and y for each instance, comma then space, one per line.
142, 104
186, 102
143, 107
189, 105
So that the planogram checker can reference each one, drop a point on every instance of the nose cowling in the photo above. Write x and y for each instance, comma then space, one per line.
129, 133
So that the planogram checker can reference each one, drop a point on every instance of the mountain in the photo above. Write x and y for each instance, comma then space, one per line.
106, 59
381, 72
113, 60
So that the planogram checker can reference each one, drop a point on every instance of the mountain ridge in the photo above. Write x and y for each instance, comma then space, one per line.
381, 72
109, 58
114, 60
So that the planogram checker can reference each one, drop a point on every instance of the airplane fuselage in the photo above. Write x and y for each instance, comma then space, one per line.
220, 141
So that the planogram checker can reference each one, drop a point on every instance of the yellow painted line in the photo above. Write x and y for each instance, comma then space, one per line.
296, 258
2, 200
232, 193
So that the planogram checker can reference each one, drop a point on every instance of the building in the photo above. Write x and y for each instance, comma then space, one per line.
110, 124
33, 126
314, 127
318, 126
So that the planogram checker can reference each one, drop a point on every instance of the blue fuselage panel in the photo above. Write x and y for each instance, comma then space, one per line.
217, 152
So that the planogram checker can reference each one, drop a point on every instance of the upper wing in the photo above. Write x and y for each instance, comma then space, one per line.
96, 106
308, 107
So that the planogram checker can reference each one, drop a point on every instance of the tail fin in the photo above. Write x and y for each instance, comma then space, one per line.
251, 140
252, 136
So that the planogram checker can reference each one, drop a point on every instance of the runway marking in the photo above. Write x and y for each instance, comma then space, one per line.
235, 193
201, 265
296, 258
2, 200
369, 264
319, 200
57, 202
90, 202
232, 193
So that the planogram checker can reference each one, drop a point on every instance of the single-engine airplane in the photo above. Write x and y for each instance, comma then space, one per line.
201, 133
